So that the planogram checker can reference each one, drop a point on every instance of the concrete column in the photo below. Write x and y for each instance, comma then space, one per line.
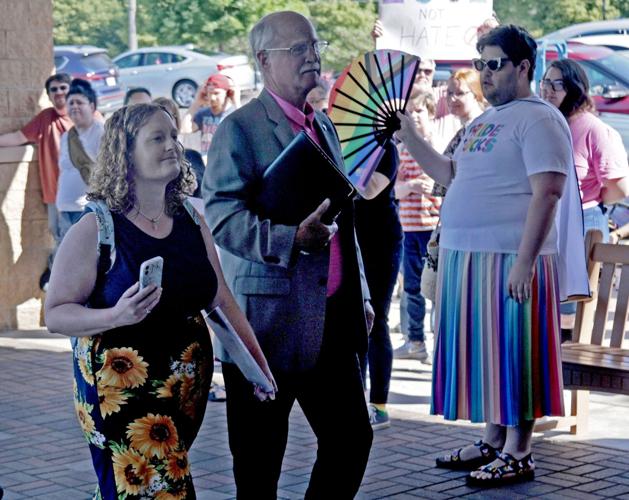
26, 60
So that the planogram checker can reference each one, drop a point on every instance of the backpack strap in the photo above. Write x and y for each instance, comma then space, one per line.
106, 244
192, 211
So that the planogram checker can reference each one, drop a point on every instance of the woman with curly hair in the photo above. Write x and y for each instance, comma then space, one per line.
143, 358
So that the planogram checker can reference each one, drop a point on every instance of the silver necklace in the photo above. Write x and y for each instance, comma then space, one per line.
152, 220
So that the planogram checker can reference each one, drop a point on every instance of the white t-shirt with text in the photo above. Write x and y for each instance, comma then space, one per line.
71, 188
487, 203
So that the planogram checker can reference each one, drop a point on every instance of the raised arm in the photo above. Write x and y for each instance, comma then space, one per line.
72, 281
16, 138
436, 165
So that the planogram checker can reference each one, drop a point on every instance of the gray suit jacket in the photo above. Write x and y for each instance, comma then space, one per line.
281, 291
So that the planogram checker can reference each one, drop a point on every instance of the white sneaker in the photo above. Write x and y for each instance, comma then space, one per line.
412, 349
379, 419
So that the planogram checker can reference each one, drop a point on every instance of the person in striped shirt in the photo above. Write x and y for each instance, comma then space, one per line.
419, 215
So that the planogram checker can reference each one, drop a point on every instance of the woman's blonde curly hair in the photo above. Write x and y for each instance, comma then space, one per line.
113, 178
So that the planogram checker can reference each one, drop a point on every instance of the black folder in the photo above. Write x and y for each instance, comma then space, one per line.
298, 181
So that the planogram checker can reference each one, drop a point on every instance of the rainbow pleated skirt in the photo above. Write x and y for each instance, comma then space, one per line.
496, 360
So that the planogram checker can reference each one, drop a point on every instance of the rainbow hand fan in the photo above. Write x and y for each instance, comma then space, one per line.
363, 105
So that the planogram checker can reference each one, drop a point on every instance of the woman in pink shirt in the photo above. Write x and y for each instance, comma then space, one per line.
599, 154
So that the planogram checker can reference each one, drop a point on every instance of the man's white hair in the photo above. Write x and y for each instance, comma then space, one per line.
264, 32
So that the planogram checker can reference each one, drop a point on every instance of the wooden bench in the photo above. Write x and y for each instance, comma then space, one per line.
590, 361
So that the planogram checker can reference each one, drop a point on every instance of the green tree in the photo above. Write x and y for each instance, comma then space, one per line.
555, 14
520, 13
222, 25
92, 22
211, 25
218, 25
346, 24
543, 16
622, 6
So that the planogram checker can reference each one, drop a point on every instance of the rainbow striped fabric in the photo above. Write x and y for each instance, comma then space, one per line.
363, 104
495, 360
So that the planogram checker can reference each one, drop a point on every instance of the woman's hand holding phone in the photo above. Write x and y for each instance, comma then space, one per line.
137, 302
134, 305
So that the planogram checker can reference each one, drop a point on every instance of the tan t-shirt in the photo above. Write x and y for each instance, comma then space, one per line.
45, 131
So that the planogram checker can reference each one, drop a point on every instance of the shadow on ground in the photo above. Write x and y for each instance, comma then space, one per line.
43, 455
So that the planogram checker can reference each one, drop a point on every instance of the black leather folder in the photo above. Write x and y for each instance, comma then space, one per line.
298, 181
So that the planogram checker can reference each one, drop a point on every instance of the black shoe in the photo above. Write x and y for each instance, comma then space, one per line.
43, 282
566, 335
513, 471
454, 462
217, 393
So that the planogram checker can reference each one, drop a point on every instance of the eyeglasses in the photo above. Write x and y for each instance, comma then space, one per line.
301, 48
493, 64
426, 71
61, 88
457, 95
556, 85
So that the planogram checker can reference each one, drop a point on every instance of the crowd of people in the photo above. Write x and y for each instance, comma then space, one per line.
500, 180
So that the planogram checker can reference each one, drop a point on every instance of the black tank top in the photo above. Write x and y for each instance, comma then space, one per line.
188, 280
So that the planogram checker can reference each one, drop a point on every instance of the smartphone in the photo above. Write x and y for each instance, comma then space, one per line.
151, 272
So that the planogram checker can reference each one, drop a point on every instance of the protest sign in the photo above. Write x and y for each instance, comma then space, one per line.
439, 29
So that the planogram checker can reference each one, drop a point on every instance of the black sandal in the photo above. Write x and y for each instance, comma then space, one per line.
513, 471
454, 462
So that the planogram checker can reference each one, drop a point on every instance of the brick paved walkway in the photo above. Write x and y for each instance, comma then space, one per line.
42, 454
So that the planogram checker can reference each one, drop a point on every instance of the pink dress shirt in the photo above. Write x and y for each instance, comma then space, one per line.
304, 120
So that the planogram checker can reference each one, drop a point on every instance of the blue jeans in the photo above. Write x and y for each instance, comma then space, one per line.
412, 321
66, 221
593, 218
53, 227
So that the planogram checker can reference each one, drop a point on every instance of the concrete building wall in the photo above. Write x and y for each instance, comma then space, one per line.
26, 61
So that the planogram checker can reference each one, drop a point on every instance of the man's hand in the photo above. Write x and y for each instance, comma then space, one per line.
312, 234
421, 185
370, 315
408, 129
9, 139
519, 281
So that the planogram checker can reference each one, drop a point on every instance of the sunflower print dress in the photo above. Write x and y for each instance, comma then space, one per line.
141, 390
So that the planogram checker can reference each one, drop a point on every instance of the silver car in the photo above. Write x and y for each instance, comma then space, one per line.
612, 33
177, 72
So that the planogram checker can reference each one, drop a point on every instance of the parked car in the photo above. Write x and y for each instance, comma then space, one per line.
613, 34
177, 72
92, 64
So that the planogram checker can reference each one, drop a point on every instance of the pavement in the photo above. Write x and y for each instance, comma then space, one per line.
43, 454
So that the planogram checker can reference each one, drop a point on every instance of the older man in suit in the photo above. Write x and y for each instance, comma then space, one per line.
302, 287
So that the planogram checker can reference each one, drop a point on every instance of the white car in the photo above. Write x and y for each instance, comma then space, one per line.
613, 33
177, 72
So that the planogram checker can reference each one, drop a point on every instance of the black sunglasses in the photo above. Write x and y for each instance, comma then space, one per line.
63, 88
493, 64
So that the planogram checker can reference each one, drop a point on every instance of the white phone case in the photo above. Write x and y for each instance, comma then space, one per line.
151, 272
